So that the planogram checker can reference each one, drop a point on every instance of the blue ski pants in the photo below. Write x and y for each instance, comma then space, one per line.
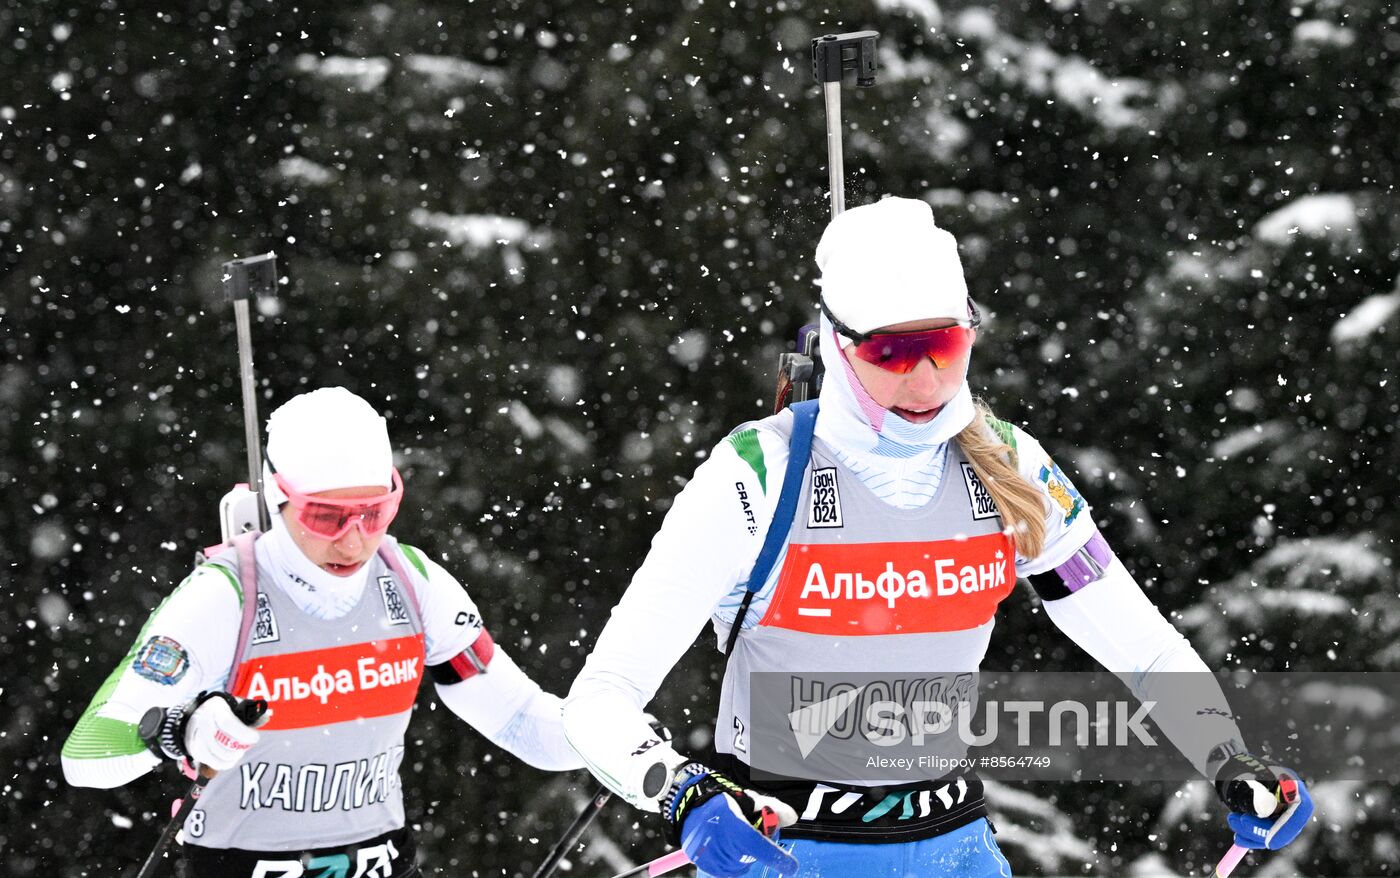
967, 852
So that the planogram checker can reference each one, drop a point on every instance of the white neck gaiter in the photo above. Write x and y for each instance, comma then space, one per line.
315, 591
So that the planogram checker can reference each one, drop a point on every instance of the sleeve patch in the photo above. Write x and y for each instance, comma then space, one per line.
747, 447
1061, 490
466, 664
161, 660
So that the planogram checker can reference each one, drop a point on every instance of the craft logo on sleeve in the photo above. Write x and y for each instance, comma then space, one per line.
826, 499
468, 619
1061, 490
265, 623
746, 506
983, 506
393, 601
161, 660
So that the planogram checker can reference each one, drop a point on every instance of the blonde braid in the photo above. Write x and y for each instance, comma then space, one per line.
1020, 503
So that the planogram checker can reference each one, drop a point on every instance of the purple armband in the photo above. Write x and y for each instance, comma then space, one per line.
1083, 567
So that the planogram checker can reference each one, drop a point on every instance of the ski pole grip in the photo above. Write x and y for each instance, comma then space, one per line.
834, 54
250, 276
250, 710
668, 863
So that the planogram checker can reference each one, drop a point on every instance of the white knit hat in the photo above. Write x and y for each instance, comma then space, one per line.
888, 263
327, 439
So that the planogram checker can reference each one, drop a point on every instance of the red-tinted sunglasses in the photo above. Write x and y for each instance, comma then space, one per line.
900, 352
332, 519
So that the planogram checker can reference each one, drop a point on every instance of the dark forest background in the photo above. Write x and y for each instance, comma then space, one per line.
561, 246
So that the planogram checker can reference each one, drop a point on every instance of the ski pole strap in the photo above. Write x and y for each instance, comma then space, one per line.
804, 426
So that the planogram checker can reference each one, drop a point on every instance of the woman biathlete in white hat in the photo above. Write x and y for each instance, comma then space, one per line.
344, 624
905, 475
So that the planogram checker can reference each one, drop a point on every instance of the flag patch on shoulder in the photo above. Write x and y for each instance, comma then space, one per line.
161, 660
1061, 490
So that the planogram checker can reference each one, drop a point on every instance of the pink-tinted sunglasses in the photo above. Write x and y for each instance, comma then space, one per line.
332, 519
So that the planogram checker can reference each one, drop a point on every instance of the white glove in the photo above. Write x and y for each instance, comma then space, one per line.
217, 738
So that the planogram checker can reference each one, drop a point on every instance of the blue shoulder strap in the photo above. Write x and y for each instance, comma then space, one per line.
804, 425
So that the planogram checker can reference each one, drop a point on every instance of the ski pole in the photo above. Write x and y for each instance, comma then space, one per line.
659, 866
148, 869
1228, 862
832, 56
566, 842
249, 712
243, 279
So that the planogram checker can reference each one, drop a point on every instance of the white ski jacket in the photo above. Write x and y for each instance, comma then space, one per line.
187, 646
702, 556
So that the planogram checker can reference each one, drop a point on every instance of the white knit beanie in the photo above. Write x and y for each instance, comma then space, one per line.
888, 263
327, 439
